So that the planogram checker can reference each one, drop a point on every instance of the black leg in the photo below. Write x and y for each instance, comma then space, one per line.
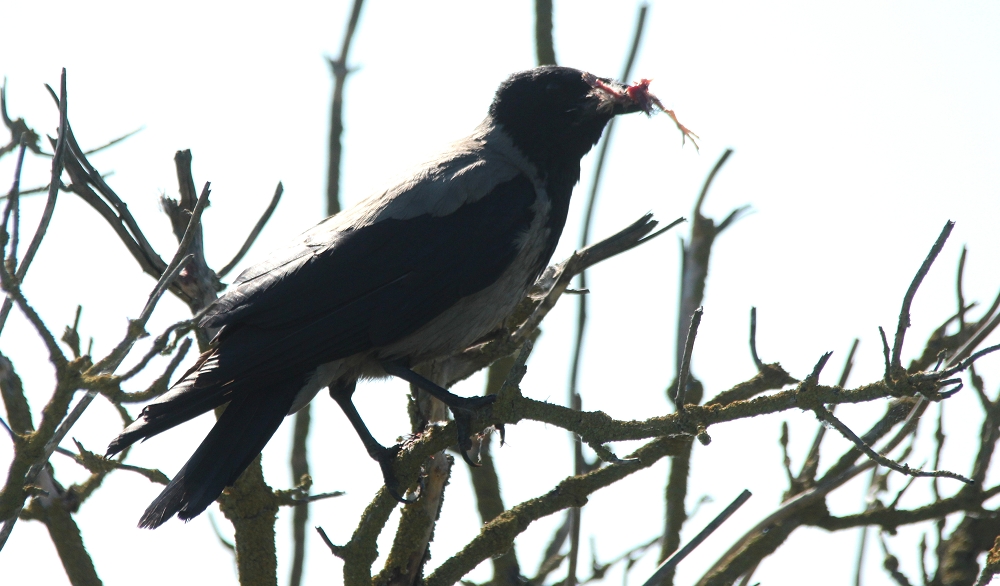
342, 394
462, 408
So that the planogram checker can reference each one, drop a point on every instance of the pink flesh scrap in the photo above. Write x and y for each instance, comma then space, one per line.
638, 94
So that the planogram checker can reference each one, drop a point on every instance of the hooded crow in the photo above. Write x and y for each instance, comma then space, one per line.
420, 271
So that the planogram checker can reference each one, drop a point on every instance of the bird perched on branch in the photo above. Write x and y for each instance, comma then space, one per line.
417, 272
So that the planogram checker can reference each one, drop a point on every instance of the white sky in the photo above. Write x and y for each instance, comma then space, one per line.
859, 129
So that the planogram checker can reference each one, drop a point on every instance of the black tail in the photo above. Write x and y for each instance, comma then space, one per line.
195, 393
248, 422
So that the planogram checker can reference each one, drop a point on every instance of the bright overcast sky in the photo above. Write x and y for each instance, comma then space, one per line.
859, 128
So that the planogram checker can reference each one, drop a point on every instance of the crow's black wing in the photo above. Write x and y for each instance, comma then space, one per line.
364, 288
375, 284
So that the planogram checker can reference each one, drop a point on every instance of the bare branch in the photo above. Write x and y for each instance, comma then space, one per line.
19, 130
159, 386
311, 498
811, 463
813, 377
753, 340
137, 326
12, 392
886, 353
958, 290
106, 365
685, 371
708, 181
13, 207
253, 233
958, 367
108, 145
670, 563
50, 204
786, 459
160, 345
574, 399
340, 73
572, 491
824, 415
336, 550
544, 46
904, 312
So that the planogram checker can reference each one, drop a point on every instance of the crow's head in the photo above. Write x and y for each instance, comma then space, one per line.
557, 114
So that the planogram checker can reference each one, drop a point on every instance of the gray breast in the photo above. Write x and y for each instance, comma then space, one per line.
480, 313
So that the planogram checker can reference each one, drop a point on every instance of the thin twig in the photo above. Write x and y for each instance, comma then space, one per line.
311, 498
602, 152
544, 46
10, 285
904, 312
813, 378
685, 371
886, 353
696, 254
629, 557
788, 514
942, 374
753, 340
939, 439
902, 491
149, 261
168, 277
124, 216
859, 560
115, 141
158, 386
824, 415
336, 550
109, 363
137, 326
253, 233
18, 128
50, 203
811, 463
670, 563
982, 332
552, 559
13, 207
340, 72
958, 290
159, 345
786, 459
299, 460
708, 182
574, 399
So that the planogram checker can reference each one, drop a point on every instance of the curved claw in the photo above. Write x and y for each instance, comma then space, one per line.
394, 493
389, 477
465, 456
463, 419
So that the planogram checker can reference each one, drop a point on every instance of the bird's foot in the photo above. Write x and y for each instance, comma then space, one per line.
464, 411
392, 485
